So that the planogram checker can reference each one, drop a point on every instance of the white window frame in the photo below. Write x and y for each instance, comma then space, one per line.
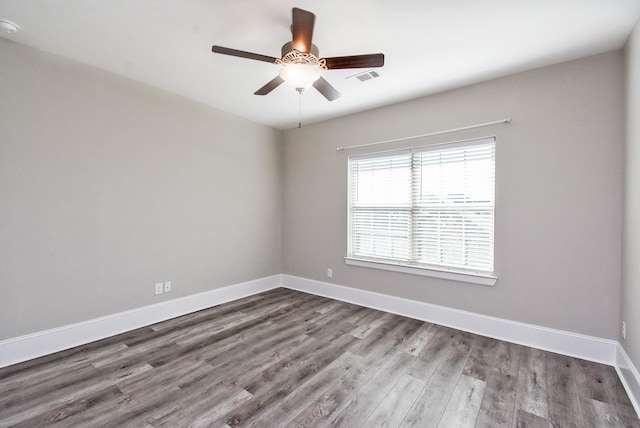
483, 277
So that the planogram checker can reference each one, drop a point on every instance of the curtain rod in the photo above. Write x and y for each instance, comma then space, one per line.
411, 149
431, 134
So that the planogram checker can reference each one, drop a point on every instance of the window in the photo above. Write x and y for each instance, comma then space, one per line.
427, 208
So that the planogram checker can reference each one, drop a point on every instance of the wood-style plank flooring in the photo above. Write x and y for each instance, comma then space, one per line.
289, 359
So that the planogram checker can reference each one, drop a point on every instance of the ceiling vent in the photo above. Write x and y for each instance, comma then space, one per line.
364, 77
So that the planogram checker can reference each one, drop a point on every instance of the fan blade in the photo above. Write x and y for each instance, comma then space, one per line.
274, 83
242, 54
326, 89
302, 29
356, 61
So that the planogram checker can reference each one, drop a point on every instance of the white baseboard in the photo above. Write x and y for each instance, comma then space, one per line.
629, 376
559, 341
46, 342
590, 348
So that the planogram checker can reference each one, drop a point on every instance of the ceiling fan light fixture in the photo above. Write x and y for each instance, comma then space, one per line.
300, 60
299, 75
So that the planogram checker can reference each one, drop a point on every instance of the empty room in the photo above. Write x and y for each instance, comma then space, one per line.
319, 214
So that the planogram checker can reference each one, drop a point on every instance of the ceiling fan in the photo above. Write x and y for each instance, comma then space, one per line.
300, 60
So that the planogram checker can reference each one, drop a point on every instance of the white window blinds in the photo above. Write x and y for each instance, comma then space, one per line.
426, 207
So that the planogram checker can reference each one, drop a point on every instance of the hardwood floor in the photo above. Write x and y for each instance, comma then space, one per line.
290, 359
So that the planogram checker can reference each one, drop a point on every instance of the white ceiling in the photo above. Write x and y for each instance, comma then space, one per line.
429, 45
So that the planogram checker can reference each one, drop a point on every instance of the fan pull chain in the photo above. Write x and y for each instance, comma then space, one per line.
300, 91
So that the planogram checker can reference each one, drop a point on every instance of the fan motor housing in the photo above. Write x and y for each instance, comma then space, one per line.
288, 47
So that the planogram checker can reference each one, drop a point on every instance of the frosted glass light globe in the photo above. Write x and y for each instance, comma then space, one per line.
299, 75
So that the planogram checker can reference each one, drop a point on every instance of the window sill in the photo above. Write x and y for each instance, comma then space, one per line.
474, 278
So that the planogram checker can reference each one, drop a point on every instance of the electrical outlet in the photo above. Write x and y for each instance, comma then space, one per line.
159, 288
329, 272
167, 286
624, 330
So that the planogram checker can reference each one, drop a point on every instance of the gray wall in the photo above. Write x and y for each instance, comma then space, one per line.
631, 240
558, 194
108, 186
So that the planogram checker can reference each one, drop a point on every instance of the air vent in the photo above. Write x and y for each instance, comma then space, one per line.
364, 77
